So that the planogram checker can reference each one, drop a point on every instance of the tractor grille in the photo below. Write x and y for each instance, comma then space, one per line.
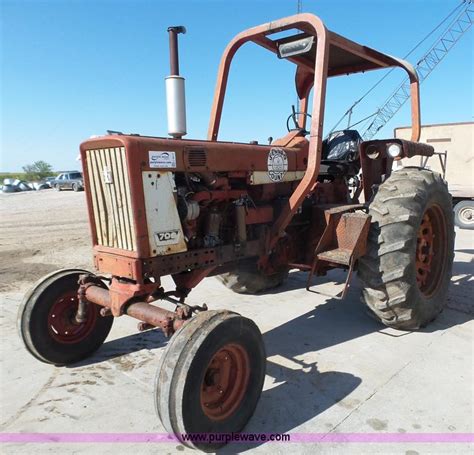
110, 193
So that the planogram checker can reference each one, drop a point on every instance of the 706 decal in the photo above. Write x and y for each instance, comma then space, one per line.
167, 237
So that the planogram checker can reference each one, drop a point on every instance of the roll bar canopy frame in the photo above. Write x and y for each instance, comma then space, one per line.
352, 58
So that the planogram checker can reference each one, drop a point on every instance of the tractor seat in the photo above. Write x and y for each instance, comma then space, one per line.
340, 154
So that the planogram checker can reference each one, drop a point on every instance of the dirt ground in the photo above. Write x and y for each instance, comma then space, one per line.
41, 231
330, 367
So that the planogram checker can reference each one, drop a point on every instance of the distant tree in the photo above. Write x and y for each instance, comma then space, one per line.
38, 170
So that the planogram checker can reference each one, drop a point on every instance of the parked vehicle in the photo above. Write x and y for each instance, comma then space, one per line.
248, 213
16, 186
68, 181
453, 159
48, 181
39, 185
10, 189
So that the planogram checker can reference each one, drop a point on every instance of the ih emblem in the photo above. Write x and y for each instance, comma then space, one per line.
107, 173
277, 163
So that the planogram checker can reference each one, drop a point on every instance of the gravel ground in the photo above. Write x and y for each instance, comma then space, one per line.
331, 369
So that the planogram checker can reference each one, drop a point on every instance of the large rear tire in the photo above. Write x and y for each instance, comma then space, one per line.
247, 279
407, 268
210, 377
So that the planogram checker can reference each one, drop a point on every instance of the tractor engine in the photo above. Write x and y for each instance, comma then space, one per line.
162, 206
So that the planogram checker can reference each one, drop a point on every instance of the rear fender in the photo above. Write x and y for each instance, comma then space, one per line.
376, 163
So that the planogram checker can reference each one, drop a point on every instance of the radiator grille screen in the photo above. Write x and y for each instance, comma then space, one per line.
111, 202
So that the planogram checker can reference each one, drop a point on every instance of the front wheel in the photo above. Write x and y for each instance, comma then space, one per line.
46, 320
407, 268
211, 377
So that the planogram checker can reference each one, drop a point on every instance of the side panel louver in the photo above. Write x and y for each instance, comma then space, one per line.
195, 158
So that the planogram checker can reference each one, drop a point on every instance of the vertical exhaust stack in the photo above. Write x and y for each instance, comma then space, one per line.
175, 96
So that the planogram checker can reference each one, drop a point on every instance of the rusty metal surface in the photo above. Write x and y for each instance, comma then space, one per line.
215, 156
431, 250
411, 149
337, 256
137, 269
168, 321
173, 45
121, 292
187, 281
169, 265
343, 241
151, 315
357, 58
225, 382
351, 233
261, 214
374, 171
346, 57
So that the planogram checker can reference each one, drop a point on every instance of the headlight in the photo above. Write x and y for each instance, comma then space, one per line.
394, 150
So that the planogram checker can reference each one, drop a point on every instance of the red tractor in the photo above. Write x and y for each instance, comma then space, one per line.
247, 213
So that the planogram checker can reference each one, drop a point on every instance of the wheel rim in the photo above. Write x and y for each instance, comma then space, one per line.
466, 215
431, 250
225, 382
62, 325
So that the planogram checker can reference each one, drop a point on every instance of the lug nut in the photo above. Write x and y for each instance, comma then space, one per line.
105, 312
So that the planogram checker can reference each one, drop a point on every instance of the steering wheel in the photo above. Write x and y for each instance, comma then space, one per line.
295, 121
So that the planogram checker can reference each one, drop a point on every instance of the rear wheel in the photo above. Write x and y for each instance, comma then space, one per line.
407, 268
211, 377
47, 325
75, 187
247, 279
464, 214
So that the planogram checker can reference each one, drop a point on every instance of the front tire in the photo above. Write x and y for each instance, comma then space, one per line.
210, 377
46, 320
464, 214
407, 268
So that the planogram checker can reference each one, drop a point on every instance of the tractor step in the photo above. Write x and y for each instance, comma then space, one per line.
344, 240
337, 256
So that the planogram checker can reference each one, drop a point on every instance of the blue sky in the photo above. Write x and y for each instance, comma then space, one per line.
75, 68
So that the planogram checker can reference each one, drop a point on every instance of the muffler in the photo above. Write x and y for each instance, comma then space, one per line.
175, 93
